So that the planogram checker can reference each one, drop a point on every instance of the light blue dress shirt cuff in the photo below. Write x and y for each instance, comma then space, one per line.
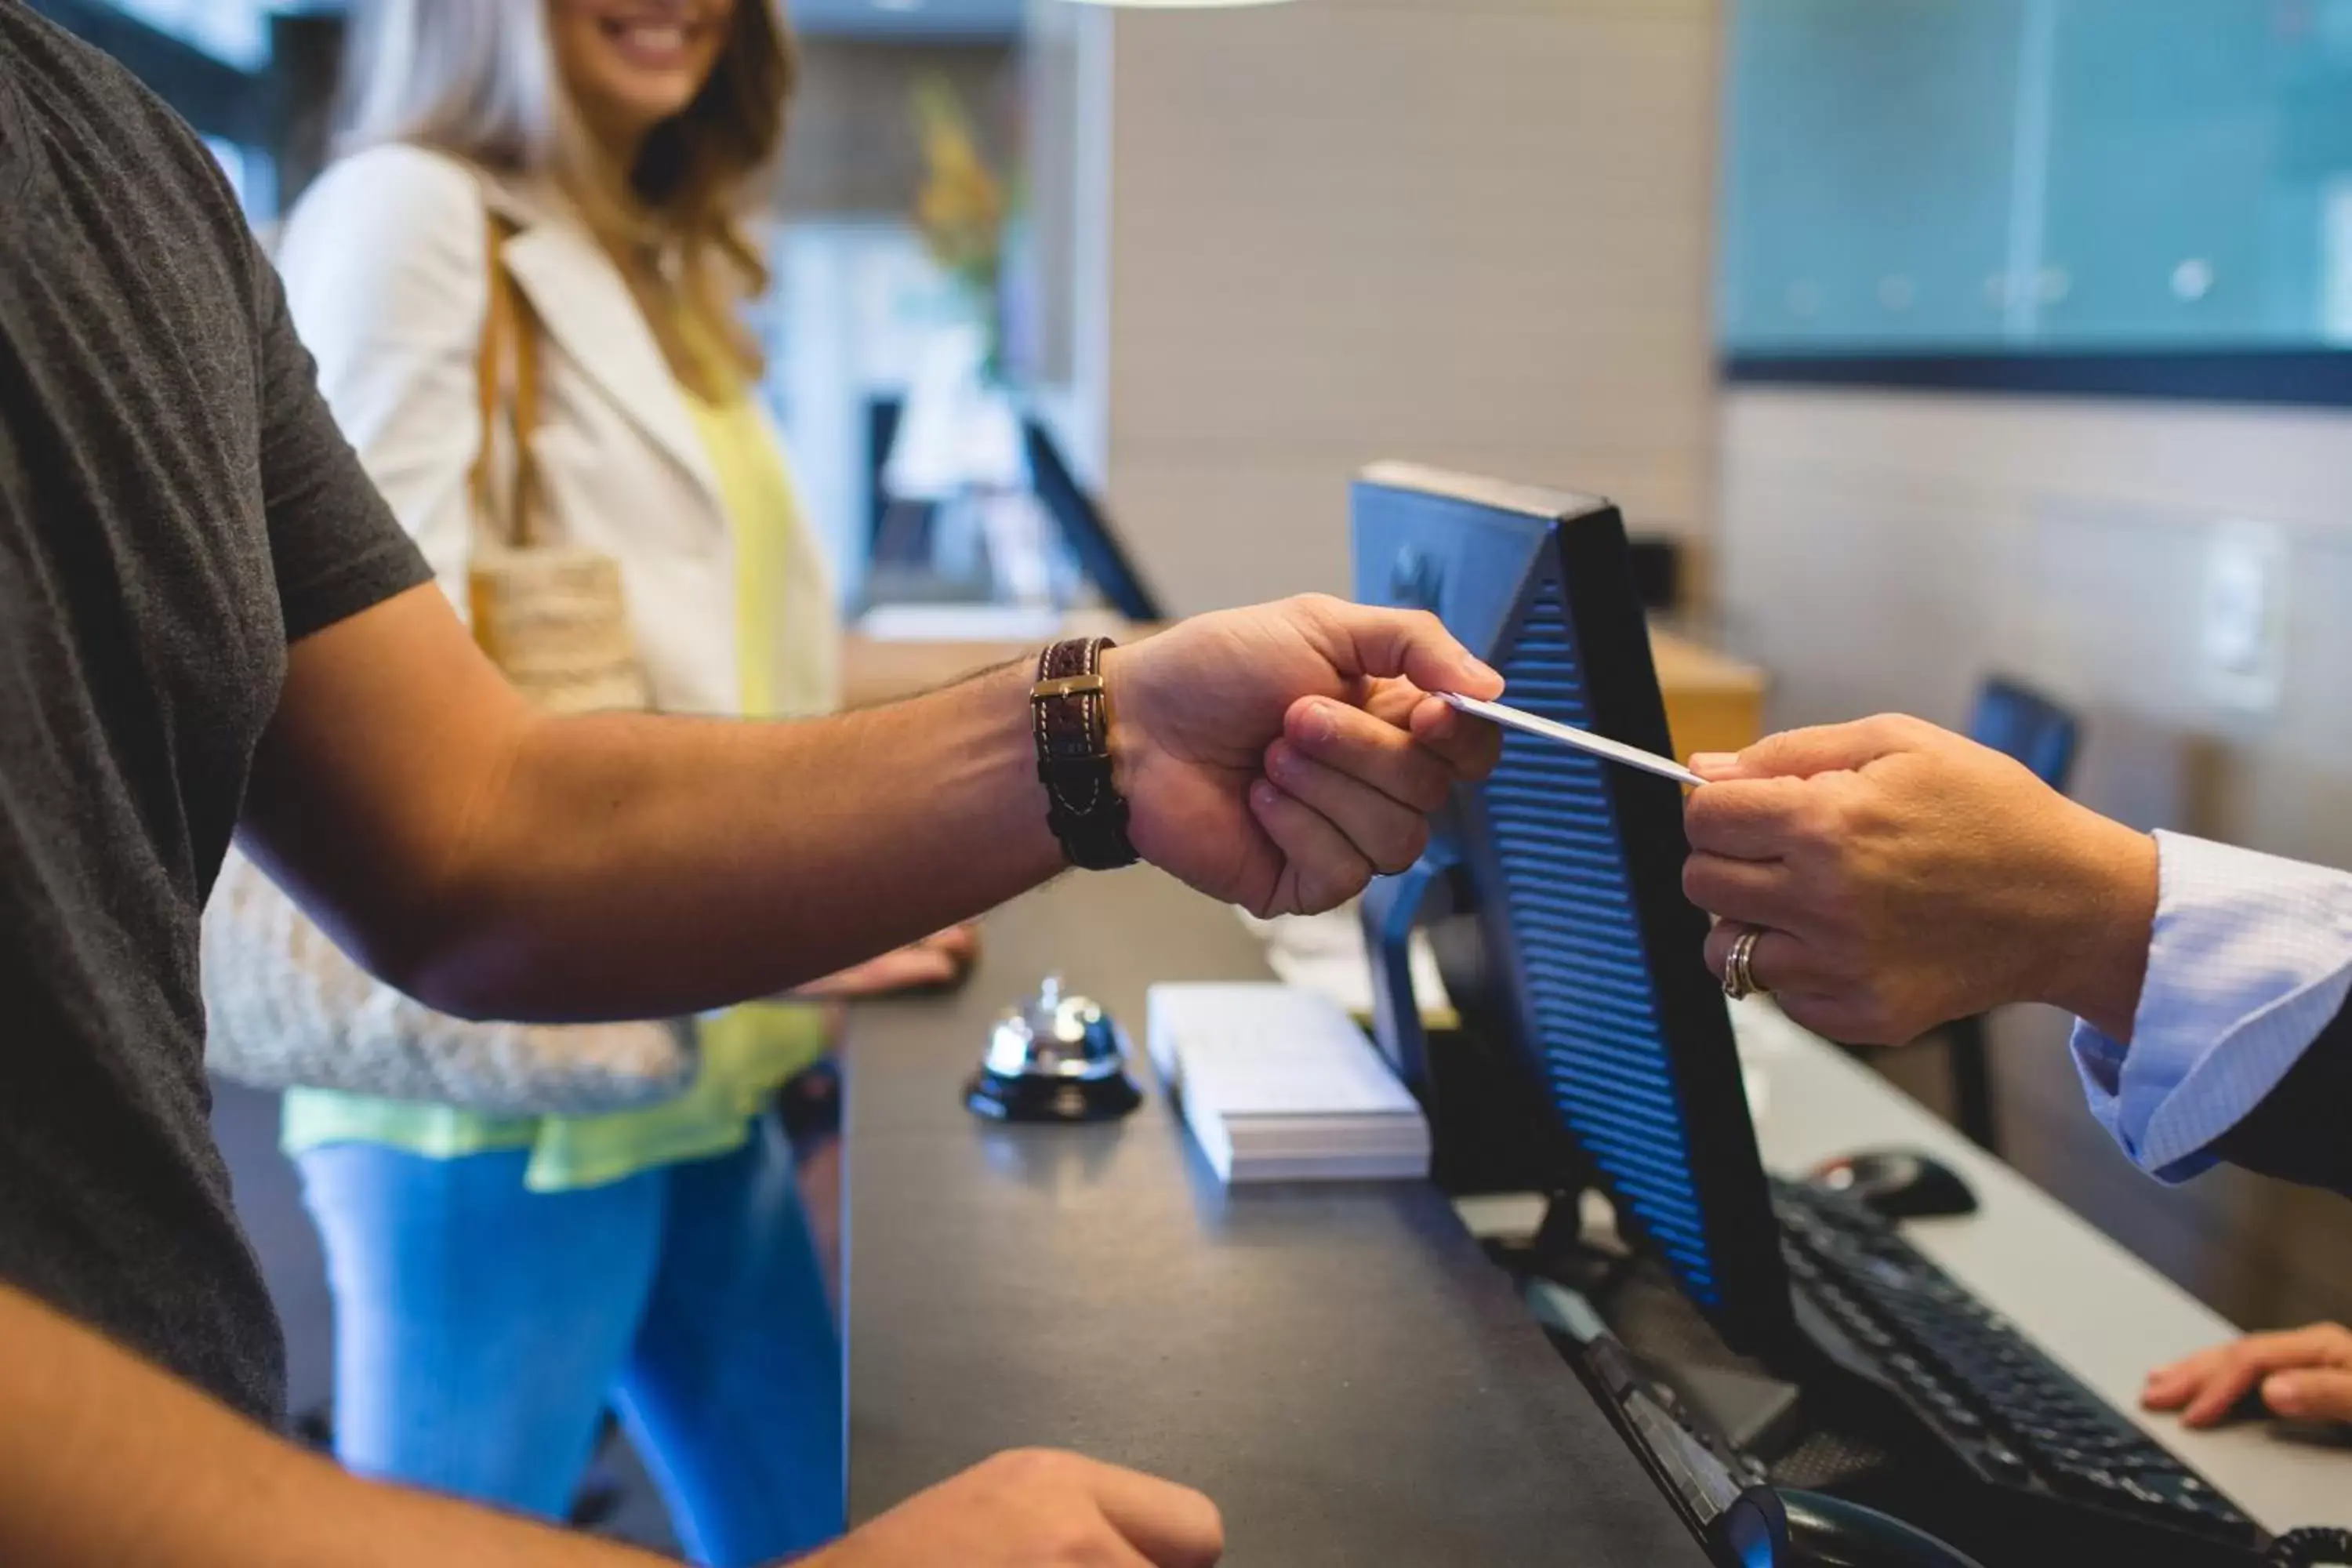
2252, 957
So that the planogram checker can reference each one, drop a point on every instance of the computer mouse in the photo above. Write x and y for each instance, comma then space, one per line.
1901, 1183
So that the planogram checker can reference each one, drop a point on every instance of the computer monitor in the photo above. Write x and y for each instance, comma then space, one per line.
1566, 873
1101, 554
1089, 532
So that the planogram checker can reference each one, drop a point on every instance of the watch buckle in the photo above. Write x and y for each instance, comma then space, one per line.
1067, 686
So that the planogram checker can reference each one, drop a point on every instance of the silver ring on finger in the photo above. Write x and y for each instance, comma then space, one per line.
1738, 965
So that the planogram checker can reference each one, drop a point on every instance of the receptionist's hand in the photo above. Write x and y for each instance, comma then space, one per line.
2304, 1374
1277, 757
1901, 876
1039, 1510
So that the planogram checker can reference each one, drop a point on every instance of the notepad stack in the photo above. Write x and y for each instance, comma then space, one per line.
1279, 1085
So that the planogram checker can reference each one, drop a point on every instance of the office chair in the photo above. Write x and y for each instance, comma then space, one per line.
2022, 723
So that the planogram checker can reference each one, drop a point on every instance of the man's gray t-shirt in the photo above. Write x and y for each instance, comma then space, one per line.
176, 506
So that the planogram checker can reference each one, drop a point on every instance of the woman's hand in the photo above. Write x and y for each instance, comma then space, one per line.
1902, 876
941, 958
2304, 1374
1038, 1510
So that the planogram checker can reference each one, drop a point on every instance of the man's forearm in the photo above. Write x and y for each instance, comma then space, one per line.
495, 861
625, 864
105, 1460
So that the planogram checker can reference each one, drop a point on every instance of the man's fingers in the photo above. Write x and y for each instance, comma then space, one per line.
2169, 1388
1716, 766
1323, 868
2235, 1369
1754, 893
2314, 1344
1171, 1526
1471, 747
1384, 831
1410, 643
2206, 1385
1750, 819
1800, 753
2304, 1374
2310, 1396
1355, 744
1777, 962
2229, 1382
901, 969
960, 943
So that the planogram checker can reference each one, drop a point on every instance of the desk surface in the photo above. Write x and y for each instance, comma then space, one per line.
2101, 1312
1339, 1367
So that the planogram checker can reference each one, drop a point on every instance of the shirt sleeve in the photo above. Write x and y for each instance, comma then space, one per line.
333, 543
386, 268
2250, 959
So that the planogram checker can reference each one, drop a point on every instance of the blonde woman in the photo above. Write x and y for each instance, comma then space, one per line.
498, 1282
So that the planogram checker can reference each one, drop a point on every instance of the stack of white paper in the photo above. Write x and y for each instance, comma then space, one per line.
1279, 1085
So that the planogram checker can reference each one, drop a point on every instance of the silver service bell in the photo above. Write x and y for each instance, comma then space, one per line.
1058, 1058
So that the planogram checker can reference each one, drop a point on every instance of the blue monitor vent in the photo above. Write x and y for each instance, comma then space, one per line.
1582, 954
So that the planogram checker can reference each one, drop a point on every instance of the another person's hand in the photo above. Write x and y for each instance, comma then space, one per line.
1040, 1510
2304, 1374
1278, 757
1902, 876
941, 958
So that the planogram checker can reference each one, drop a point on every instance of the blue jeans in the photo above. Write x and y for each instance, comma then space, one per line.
482, 1328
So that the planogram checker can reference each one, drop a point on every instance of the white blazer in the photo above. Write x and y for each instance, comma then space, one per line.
385, 260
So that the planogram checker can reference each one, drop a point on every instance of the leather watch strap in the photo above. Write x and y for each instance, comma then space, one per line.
1072, 712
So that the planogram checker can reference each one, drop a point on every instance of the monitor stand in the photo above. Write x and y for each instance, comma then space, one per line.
1489, 1138
1487, 1127
1807, 1422
1741, 1398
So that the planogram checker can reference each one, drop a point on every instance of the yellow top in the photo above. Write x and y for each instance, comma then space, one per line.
786, 653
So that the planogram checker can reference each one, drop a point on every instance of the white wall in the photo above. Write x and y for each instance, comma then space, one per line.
1883, 549
1474, 232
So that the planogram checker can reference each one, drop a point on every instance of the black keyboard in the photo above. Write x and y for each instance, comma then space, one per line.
2009, 1413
